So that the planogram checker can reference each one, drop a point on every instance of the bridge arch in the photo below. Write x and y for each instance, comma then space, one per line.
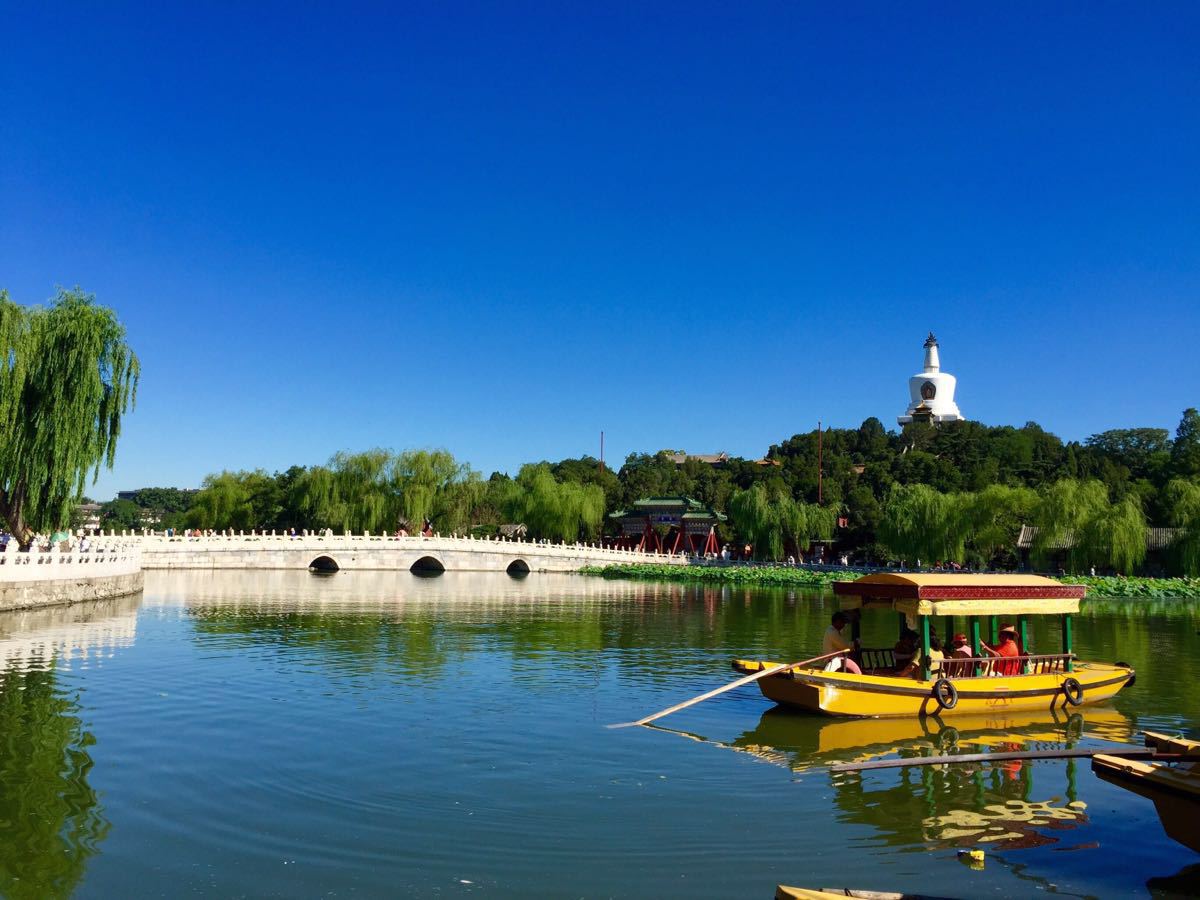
324, 565
518, 568
427, 567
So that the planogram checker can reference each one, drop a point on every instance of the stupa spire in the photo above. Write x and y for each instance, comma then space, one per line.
932, 363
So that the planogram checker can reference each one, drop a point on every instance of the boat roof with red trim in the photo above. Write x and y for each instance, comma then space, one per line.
957, 593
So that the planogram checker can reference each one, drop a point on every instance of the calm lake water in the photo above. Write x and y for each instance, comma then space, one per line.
381, 735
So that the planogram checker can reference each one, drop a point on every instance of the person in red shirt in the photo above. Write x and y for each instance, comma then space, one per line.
1007, 651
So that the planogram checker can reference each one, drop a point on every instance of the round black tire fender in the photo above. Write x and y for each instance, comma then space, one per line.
1072, 691
1133, 678
945, 693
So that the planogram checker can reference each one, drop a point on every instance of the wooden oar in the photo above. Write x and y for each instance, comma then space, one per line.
773, 670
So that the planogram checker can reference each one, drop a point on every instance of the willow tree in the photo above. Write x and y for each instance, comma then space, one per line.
1183, 503
353, 492
1078, 518
771, 519
920, 523
67, 377
434, 486
991, 519
376, 490
241, 500
756, 519
552, 509
803, 523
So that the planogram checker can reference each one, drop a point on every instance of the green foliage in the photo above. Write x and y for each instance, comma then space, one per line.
784, 576
1136, 588
238, 500
1099, 587
771, 520
1183, 501
1185, 451
991, 522
1078, 517
956, 492
120, 515
67, 376
378, 490
1143, 451
922, 523
553, 509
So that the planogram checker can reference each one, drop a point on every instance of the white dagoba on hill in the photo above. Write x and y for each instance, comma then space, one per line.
932, 391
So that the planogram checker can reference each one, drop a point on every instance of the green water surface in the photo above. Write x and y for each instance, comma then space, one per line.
381, 735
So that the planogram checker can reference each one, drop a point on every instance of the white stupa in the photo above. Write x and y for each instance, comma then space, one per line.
931, 391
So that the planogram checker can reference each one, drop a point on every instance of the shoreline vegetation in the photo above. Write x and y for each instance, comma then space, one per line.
787, 576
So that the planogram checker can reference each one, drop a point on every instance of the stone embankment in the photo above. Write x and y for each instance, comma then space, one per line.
110, 567
423, 555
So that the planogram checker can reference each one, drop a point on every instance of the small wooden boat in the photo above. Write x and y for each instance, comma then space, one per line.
977, 684
1175, 789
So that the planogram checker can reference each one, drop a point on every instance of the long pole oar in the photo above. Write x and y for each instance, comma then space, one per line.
773, 670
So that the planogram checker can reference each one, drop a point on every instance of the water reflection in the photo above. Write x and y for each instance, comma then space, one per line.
43, 638
418, 627
809, 742
989, 803
51, 821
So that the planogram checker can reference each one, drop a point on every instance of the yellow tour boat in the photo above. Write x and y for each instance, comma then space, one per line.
1175, 789
977, 684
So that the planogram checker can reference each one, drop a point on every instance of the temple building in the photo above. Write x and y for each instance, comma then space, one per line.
690, 526
931, 391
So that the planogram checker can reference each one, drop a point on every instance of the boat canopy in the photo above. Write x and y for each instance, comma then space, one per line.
960, 594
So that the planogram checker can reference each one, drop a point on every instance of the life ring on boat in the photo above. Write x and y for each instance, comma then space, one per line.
1072, 691
945, 693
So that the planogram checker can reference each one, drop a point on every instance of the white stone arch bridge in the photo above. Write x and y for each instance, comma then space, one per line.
421, 555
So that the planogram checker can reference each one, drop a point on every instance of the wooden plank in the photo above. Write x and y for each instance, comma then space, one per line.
1074, 753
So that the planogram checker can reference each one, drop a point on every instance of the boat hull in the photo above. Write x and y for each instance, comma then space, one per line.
1175, 791
848, 694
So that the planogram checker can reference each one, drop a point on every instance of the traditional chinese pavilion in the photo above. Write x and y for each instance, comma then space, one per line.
692, 525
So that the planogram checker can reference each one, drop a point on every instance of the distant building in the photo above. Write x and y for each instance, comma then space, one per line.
716, 460
1158, 541
691, 525
712, 459
931, 391
89, 516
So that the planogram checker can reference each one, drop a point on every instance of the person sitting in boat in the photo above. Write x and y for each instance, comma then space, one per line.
833, 642
960, 649
937, 661
1007, 652
936, 656
905, 651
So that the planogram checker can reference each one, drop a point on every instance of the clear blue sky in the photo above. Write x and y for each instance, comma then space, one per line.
502, 228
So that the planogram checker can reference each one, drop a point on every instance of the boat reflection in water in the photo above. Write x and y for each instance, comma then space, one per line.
991, 804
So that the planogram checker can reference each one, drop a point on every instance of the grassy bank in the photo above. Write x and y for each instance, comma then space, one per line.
783, 576
764, 575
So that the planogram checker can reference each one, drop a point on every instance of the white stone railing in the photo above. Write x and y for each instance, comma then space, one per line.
102, 557
158, 542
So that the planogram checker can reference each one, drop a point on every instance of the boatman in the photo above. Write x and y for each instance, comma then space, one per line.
834, 642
